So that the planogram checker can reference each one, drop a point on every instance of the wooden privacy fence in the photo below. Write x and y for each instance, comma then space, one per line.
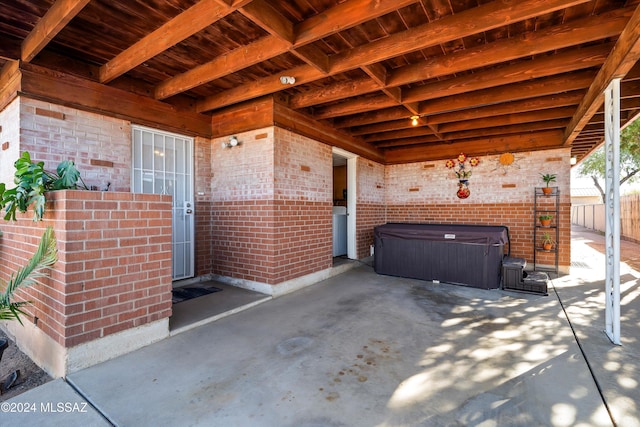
592, 216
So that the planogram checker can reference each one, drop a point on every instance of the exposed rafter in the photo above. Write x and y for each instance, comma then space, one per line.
466, 23
623, 57
340, 17
194, 19
487, 75
59, 15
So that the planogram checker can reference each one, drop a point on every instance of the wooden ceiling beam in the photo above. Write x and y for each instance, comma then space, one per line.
265, 86
426, 139
378, 74
381, 127
400, 134
315, 28
623, 57
345, 15
510, 123
236, 60
476, 147
526, 105
334, 92
535, 88
247, 116
371, 117
517, 91
354, 106
7, 73
186, 24
508, 129
489, 16
56, 18
313, 56
592, 28
509, 119
307, 126
453, 27
265, 16
10, 83
566, 61
64, 89
526, 70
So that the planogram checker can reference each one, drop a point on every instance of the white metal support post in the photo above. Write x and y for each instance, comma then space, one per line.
612, 210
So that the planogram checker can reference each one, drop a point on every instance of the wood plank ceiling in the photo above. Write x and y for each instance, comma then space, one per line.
478, 75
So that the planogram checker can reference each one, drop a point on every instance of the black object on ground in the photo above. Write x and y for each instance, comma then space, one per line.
190, 292
514, 278
10, 380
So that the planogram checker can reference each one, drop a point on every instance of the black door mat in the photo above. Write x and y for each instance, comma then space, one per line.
189, 292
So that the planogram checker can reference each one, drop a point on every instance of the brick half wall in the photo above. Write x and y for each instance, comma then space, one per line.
114, 263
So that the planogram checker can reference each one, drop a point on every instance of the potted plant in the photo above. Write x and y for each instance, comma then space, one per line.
545, 219
548, 179
547, 241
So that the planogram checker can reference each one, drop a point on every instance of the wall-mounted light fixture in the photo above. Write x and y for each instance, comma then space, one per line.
414, 120
233, 141
287, 80
573, 160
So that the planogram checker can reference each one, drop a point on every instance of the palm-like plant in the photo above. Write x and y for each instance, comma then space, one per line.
45, 256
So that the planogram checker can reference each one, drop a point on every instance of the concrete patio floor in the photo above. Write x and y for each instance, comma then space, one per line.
361, 349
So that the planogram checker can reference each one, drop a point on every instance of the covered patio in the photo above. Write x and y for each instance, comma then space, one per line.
230, 134
362, 349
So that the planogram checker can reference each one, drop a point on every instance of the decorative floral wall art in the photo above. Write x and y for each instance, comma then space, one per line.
459, 166
505, 161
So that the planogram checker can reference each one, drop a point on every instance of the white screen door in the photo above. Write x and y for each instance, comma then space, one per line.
163, 164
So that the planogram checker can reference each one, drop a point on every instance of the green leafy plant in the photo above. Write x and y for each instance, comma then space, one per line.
547, 240
32, 181
548, 178
545, 217
42, 260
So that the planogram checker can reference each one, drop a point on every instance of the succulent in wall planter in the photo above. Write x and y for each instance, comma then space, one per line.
547, 241
545, 220
548, 179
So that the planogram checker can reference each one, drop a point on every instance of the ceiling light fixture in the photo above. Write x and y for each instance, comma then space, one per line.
414, 120
287, 80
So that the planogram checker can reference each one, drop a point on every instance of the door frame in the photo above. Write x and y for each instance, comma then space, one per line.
352, 161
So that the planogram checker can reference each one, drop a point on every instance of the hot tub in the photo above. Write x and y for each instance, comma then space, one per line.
469, 255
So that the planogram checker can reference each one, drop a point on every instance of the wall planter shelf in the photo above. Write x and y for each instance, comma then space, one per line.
545, 204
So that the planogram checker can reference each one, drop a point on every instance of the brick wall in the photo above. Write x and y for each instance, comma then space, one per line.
304, 200
426, 193
99, 145
9, 140
114, 267
242, 206
370, 202
271, 206
203, 207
